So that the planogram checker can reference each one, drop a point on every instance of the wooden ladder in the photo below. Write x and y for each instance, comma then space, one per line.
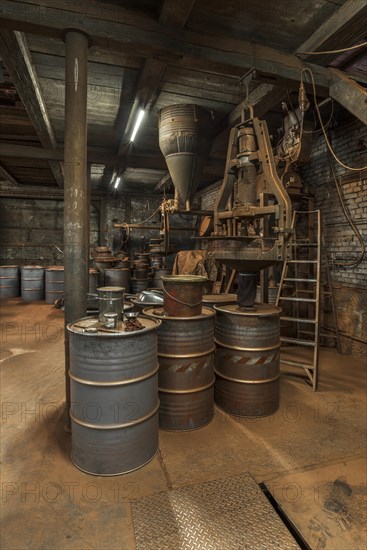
304, 273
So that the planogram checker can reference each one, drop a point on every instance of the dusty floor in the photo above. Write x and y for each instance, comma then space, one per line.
309, 453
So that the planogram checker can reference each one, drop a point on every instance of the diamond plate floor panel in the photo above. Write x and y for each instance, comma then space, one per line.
225, 514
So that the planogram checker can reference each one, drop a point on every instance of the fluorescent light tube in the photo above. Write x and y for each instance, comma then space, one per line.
117, 182
139, 119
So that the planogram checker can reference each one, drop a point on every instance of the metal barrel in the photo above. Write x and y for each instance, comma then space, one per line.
54, 283
32, 283
186, 370
117, 277
93, 281
247, 359
9, 281
138, 285
114, 398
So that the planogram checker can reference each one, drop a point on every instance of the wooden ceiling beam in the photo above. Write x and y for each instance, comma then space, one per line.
146, 37
17, 58
7, 176
350, 95
344, 28
163, 182
176, 13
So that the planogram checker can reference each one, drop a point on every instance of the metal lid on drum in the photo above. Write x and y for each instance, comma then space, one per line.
158, 313
90, 326
55, 268
111, 288
259, 310
33, 267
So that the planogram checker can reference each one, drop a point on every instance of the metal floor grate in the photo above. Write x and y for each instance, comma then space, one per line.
225, 514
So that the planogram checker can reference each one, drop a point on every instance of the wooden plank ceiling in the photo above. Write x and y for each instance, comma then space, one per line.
157, 53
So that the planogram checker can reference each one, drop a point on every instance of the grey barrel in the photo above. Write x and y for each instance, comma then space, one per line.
186, 369
9, 281
247, 359
32, 283
54, 283
138, 285
114, 398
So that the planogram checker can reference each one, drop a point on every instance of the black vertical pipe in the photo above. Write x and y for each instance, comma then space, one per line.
76, 205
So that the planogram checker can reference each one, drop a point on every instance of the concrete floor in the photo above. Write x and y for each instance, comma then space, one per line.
309, 453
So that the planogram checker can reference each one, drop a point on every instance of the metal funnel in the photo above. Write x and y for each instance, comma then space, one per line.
184, 139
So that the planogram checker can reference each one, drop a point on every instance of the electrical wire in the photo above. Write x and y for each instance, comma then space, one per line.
149, 218
356, 262
340, 50
308, 70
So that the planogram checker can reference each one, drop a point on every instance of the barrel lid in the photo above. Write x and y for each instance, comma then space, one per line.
219, 298
159, 313
9, 266
117, 269
259, 310
184, 278
92, 270
33, 267
86, 324
55, 268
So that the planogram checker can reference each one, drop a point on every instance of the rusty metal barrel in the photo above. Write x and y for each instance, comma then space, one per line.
117, 277
54, 283
247, 359
114, 397
138, 285
186, 369
157, 280
9, 281
32, 283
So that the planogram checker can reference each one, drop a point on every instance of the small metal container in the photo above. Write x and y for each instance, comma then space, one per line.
110, 300
183, 295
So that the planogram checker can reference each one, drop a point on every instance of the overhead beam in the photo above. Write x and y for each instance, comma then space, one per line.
344, 28
176, 12
349, 94
7, 176
17, 58
147, 161
142, 35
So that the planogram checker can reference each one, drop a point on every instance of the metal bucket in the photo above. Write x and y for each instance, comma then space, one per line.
186, 370
32, 283
210, 300
138, 285
117, 277
54, 283
114, 398
93, 281
9, 281
183, 295
247, 359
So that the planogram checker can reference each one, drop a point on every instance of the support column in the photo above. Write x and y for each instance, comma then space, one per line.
76, 204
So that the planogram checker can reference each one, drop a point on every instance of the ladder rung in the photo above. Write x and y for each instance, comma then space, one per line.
298, 341
298, 320
295, 364
302, 261
322, 335
305, 244
290, 299
300, 280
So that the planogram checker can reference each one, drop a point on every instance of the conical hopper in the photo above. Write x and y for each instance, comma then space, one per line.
184, 139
